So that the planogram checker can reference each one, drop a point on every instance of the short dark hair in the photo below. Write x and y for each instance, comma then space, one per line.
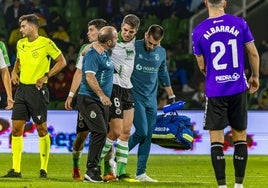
132, 20
98, 23
214, 1
32, 18
106, 33
156, 31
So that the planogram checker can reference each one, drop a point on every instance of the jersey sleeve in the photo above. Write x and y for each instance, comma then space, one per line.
90, 62
4, 59
79, 62
248, 37
52, 50
163, 71
195, 43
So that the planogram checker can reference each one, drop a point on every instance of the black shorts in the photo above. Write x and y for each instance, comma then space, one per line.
81, 125
223, 111
122, 99
30, 102
92, 114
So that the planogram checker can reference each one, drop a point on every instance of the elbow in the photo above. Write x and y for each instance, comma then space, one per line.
64, 63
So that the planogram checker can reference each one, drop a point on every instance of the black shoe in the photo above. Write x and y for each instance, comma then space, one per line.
12, 174
93, 175
43, 174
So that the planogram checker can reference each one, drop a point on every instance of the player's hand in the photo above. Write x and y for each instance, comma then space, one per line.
68, 103
15, 78
172, 99
40, 82
105, 100
254, 84
10, 103
98, 47
85, 50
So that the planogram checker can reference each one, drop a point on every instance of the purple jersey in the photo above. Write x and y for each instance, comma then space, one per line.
221, 41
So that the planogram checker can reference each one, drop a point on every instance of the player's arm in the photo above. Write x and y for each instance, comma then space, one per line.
75, 84
94, 85
254, 61
58, 66
95, 45
14, 73
201, 64
60, 63
164, 78
85, 50
171, 95
7, 83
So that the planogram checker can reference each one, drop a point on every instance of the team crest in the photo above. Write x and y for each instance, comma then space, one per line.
157, 57
93, 114
118, 111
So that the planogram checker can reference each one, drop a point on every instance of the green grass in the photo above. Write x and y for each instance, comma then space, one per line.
189, 171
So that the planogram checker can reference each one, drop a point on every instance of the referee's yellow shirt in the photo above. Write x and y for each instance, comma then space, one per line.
35, 58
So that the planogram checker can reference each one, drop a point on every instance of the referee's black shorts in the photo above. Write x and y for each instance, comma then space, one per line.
30, 102
228, 110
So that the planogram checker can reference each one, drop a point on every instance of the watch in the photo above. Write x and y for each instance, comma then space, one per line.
46, 75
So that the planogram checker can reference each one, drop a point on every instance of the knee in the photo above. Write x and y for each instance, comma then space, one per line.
42, 131
114, 134
18, 128
16, 131
81, 136
141, 135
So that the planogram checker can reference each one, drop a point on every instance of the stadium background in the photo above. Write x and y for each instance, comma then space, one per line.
178, 24
62, 131
65, 22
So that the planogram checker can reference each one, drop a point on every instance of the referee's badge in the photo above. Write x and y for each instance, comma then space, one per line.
35, 55
93, 114
118, 111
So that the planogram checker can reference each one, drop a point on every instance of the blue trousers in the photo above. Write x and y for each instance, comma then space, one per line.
144, 119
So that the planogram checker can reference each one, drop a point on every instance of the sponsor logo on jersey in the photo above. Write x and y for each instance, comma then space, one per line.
227, 78
146, 69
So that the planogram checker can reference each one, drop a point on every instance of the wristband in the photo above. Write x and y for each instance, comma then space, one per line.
71, 94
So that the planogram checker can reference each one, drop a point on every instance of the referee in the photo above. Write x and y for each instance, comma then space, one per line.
30, 73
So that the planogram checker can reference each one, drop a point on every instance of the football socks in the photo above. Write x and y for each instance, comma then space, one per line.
76, 158
16, 148
218, 162
44, 146
240, 160
121, 155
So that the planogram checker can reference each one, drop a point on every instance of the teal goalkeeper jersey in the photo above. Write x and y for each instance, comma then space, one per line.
148, 67
4, 60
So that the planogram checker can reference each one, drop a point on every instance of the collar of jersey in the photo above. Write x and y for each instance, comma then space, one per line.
120, 38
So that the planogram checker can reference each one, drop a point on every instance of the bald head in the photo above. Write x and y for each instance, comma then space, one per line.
107, 36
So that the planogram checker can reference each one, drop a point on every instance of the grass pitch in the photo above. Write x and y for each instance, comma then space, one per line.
172, 171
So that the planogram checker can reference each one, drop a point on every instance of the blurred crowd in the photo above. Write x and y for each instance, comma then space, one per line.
65, 22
